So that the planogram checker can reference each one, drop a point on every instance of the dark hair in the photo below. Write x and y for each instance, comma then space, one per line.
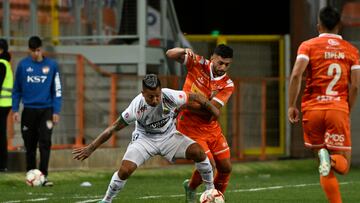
35, 42
329, 17
224, 51
5, 47
151, 81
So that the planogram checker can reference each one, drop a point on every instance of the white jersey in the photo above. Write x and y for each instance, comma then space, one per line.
158, 121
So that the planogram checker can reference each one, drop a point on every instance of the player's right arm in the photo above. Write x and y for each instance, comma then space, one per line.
85, 152
354, 87
354, 80
178, 54
127, 117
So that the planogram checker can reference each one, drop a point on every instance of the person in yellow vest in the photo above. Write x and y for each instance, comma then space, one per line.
6, 85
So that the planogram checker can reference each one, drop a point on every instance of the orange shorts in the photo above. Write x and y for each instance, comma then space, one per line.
214, 143
330, 128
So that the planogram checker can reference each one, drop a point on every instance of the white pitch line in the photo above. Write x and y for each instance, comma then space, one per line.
89, 200
243, 190
279, 187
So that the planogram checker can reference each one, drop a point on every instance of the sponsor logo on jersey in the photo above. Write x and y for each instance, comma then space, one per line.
45, 70
36, 78
333, 42
334, 139
159, 124
29, 70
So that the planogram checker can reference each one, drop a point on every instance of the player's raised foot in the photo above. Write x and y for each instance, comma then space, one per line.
190, 195
325, 165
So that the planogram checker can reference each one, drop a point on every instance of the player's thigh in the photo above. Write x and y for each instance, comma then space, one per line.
314, 128
337, 132
176, 146
218, 146
139, 151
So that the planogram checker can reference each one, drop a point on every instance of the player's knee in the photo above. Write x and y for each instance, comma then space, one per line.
196, 153
125, 172
344, 172
224, 167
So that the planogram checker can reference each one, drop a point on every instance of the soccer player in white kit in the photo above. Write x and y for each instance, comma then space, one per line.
154, 111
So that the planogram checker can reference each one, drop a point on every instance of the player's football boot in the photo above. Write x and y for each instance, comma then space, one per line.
47, 183
190, 195
325, 164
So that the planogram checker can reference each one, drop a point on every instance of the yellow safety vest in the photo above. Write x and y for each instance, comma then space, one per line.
7, 86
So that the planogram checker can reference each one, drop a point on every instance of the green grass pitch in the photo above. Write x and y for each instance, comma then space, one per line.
269, 181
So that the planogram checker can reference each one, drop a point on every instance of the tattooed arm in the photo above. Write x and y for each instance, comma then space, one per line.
204, 104
84, 152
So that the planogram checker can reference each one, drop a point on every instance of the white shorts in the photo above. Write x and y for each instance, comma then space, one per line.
142, 147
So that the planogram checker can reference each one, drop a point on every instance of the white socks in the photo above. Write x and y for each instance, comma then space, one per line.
206, 173
116, 184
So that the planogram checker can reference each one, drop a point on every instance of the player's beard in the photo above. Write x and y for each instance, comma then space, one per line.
219, 73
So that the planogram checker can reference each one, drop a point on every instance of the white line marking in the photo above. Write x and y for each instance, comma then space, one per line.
243, 190
89, 200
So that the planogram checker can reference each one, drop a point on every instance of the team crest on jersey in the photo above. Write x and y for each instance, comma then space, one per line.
45, 70
166, 110
333, 42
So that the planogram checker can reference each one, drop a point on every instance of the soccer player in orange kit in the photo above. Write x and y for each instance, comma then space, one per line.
332, 83
208, 78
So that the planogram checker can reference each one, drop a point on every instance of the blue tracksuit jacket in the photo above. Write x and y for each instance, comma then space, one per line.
37, 84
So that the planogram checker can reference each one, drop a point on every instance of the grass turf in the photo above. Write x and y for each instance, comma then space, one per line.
269, 181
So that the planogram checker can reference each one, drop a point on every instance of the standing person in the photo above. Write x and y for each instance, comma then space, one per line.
208, 78
154, 111
6, 85
332, 83
37, 84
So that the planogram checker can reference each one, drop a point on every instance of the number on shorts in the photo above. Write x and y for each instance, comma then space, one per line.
333, 67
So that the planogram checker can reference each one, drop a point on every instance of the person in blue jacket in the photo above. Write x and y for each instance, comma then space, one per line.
37, 85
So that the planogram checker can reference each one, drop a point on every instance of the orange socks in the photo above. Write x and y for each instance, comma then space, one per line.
331, 188
221, 181
195, 180
341, 164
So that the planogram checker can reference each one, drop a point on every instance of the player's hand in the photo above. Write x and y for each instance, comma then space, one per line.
16, 117
190, 53
83, 152
55, 118
293, 114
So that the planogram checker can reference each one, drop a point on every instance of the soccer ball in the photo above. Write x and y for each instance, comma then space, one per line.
35, 177
212, 196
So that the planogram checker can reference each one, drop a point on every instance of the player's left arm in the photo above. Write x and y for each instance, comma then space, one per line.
294, 88
85, 152
204, 103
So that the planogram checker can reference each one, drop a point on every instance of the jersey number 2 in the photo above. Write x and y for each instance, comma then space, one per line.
333, 67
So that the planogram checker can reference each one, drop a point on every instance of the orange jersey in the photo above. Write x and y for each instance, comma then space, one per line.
331, 60
200, 80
